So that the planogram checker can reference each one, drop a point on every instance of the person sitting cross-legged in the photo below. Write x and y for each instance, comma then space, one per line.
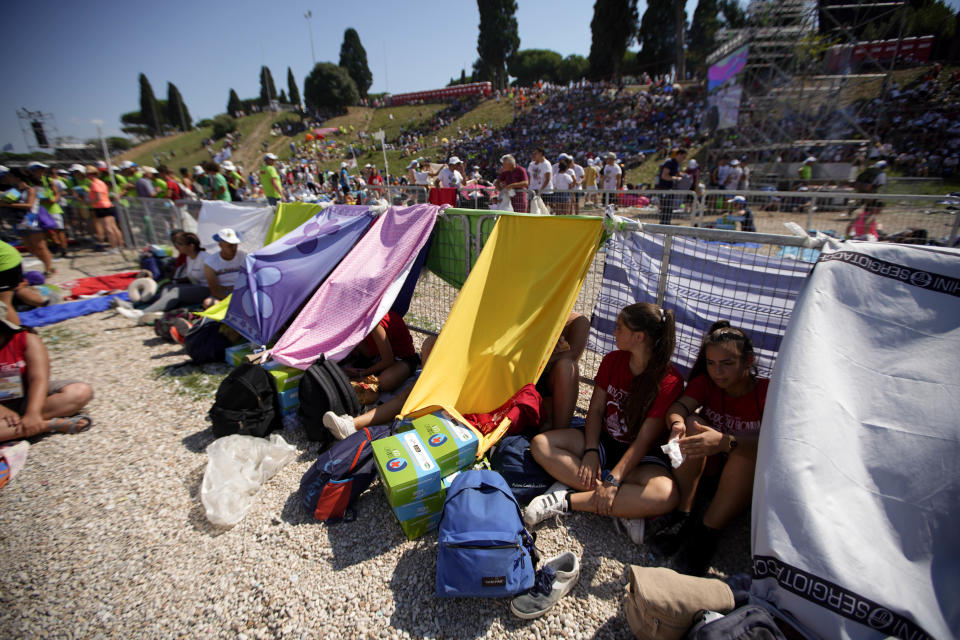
31, 403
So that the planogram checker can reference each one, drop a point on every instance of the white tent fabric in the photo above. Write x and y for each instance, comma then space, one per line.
856, 508
252, 223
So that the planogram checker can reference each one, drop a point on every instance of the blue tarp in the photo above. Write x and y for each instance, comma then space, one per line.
53, 314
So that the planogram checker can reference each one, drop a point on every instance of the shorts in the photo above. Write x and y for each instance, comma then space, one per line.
58, 218
103, 213
612, 450
412, 361
20, 404
11, 278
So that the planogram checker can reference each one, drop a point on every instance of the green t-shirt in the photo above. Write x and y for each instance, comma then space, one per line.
805, 172
268, 174
219, 182
45, 194
9, 257
159, 187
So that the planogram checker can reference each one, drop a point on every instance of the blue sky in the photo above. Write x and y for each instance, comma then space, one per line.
80, 61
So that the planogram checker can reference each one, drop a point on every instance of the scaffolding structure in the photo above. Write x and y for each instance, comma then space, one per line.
791, 106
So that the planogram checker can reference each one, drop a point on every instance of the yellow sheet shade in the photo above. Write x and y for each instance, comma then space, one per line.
509, 314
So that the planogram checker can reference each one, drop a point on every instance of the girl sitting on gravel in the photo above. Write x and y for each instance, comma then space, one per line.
389, 350
718, 423
615, 466
31, 403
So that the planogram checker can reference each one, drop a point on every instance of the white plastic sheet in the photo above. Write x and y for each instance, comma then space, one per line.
237, 468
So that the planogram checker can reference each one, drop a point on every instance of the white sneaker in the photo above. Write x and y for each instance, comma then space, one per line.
132, 314
339, 426
551, 503
633, 527
555, 579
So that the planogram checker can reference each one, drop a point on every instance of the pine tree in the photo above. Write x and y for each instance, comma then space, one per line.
268, 91
233, 104
702, 39
613, 28
283, 97
149, 113
292, 92
353, 58
657, 36
177, 113
498, 40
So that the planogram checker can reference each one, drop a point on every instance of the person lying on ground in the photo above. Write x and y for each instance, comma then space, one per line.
559, 381
31, 403
717, 421
387, 354
614, 466
222, 269
187, 287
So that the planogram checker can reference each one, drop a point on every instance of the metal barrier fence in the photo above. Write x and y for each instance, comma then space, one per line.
459, 238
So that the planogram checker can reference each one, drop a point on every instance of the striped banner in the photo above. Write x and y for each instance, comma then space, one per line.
706, 282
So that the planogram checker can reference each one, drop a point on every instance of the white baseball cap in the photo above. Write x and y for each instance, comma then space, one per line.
692, 164
197, 170
734, 162
881, 164
37, 165
101, 164
738, 199
148, 170
228, 165
809, 159
343, 165
270, 156
227, 235
126, 164
77, 167
412, 164
453, 160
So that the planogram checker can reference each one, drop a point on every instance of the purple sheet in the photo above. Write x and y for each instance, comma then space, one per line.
278, 278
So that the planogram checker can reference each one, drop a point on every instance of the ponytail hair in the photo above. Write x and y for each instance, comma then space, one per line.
659, 326
721, 333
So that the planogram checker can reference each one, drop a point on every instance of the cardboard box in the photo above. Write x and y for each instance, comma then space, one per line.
423, 507
406, 468
452, 445
234, 355
419, 526
286, 377
289, 399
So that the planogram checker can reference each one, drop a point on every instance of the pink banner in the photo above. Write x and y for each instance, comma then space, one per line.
359, 292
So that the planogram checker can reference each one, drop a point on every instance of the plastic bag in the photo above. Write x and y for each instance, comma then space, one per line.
505, 203
237, 467
538, 207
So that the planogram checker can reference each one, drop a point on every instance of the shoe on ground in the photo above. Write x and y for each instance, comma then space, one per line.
179, 329
132, 314
633, 527
554, 580
551, 503
120, 302
148, 318
339, 426
693, 558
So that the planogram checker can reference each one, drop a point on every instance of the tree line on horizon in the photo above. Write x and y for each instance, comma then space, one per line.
662, 33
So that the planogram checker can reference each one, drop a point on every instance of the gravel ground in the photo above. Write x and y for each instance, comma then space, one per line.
103, 534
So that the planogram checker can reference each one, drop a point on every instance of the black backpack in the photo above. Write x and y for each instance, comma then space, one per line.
246, 403
204, 342
749, 622
325, 387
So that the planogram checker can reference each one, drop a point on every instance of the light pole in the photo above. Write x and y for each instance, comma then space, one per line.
308, 15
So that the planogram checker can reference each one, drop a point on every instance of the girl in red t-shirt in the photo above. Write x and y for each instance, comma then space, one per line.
717, 422
612, 467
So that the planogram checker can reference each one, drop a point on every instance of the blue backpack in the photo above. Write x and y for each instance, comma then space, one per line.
341, 474
512, 459
484, 550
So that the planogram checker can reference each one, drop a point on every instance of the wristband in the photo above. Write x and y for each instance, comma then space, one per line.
594, 449
607, 478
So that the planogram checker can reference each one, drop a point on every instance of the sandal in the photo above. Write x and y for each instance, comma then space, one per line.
71, 424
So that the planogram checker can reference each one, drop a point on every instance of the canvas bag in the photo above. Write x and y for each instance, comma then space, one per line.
325, 387
484, 550
662, 604
341, 474
512, 460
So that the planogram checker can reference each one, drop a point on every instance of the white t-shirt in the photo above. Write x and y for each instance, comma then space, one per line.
733, 178
541, 175
578, 171
610, 173
449, 178
227, 271
421, 177
564, 180
193, 270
